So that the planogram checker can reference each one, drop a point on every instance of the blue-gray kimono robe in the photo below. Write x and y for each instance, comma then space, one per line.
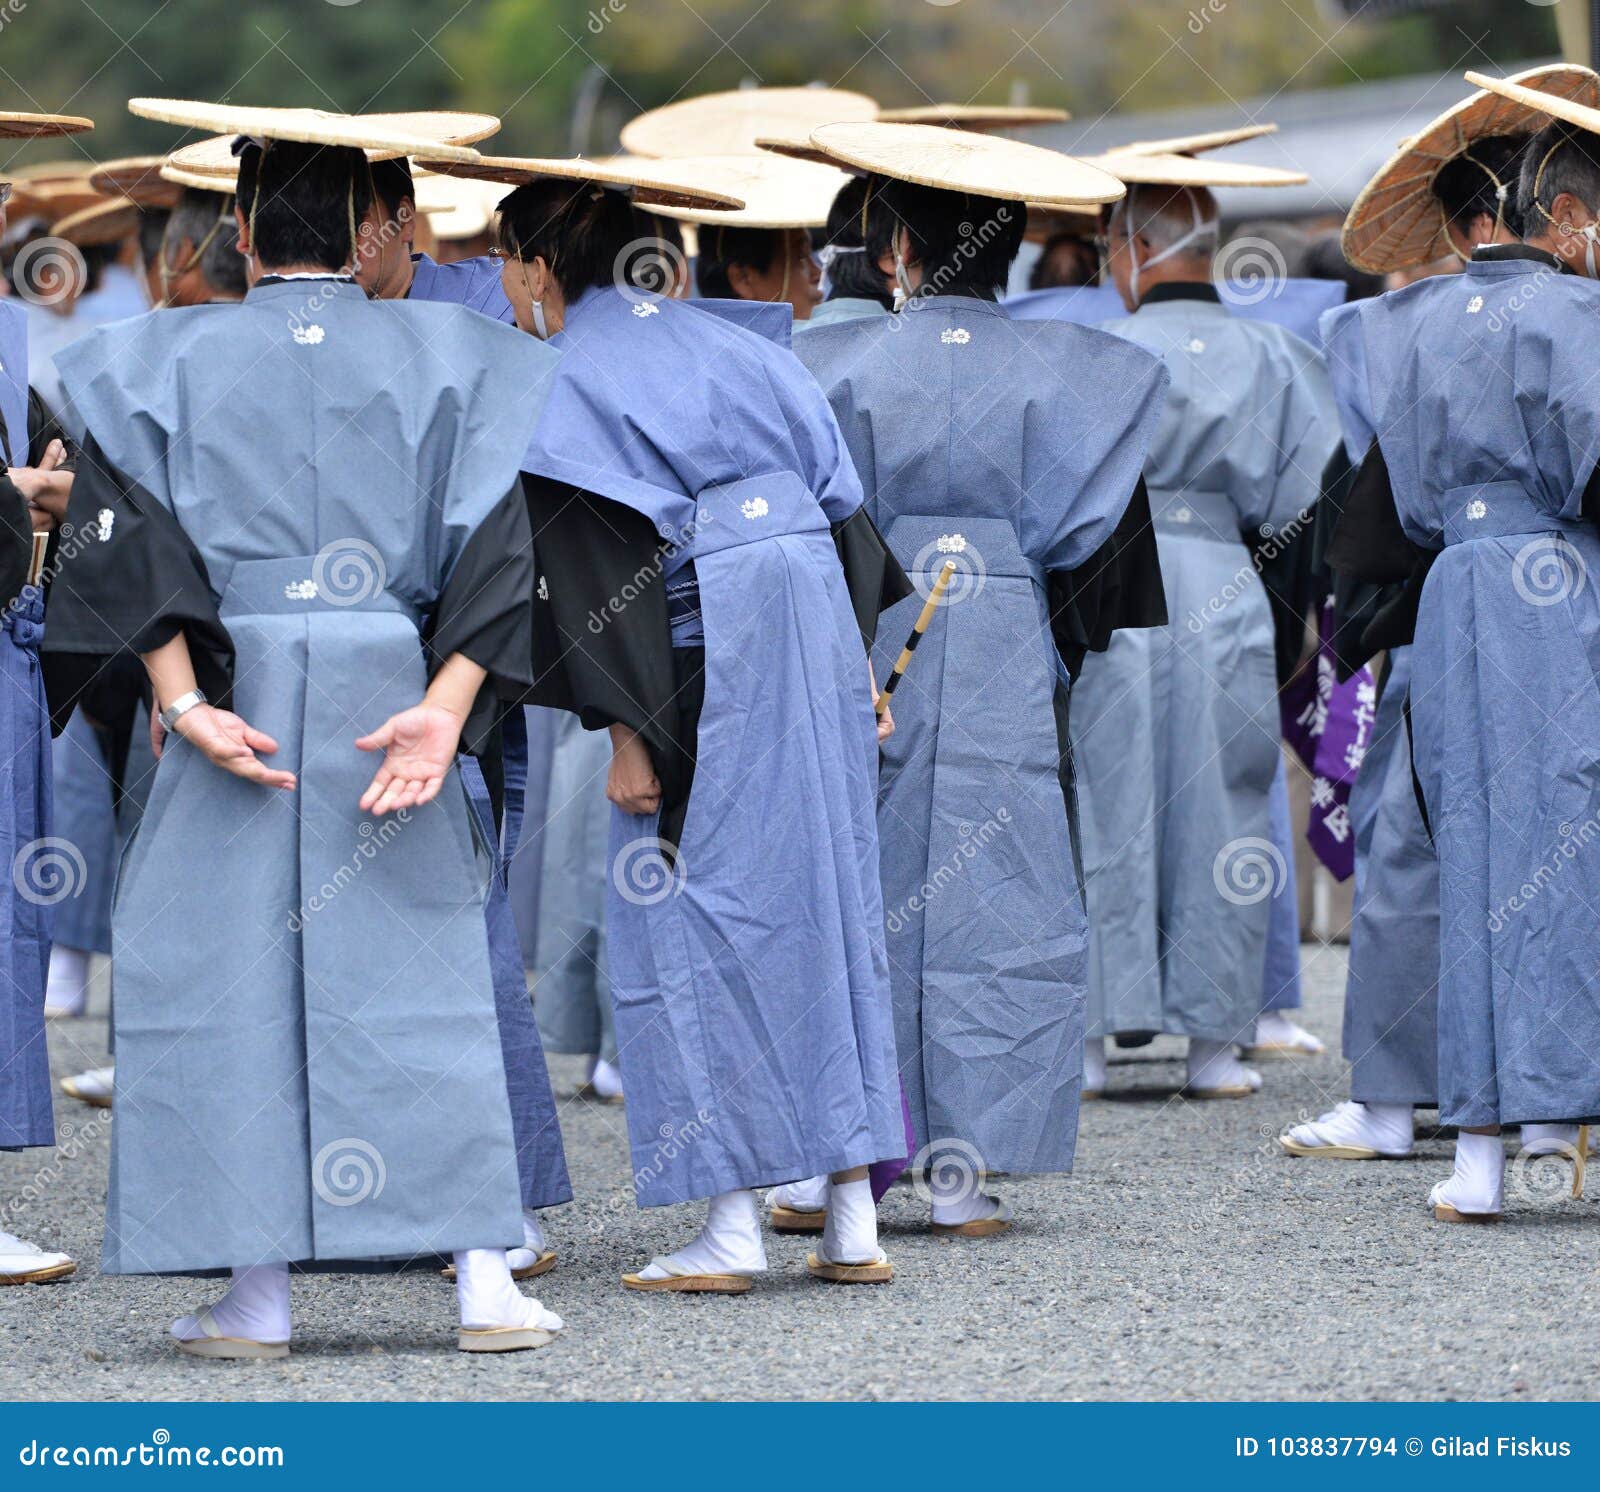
1014, 449
1488, 437
320, 493
1390, 1005
1175, 731
692, 503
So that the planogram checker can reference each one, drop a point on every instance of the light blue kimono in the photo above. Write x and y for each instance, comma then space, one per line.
1175, 731
840, 309
747, 963
1482, 390
1390, 1000
308, 1060
1011, 448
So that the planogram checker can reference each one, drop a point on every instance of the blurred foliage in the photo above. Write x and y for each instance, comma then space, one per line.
566, 73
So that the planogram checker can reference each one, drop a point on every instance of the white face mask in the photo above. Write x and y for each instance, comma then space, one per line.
1591, 239
903, 290
1202, 229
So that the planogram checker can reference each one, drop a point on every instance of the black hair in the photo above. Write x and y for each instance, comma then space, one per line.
655, 261
152, 228
392, 186
299, 200
965, 243
1324, 260
1560, 158
853, 274
1466, 186
722, 247
581, 231
1085, 262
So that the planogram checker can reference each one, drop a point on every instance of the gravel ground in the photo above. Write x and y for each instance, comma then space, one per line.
1185, 1259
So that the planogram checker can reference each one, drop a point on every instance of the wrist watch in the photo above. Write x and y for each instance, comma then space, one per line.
180, 707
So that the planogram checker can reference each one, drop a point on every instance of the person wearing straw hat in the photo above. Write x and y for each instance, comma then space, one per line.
1448, 189
34, 488
1484, 463
1013, 449
707, 579
309, 1061
1179, 851
853, 287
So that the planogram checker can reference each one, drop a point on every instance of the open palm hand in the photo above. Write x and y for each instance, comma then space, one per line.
419, 746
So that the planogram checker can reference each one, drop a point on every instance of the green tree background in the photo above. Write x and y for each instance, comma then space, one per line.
565, 74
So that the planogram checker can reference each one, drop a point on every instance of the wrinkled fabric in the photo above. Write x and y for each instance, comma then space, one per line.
571, 993
841, 309
1294, 304
1281, 986
1012, 448
1488, 466
39, 869
473, 283
747, 968
83, 817
309, 1062
1175, 732
1391, 1037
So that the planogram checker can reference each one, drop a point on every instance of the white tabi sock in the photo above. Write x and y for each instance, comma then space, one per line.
730, 1242
255, 1309
605, 1079
533, 1242
1549, 1139
1275, 1029
810, 1195
1387, 1128
1478, 1183
67, 988
1094, 1064
850, 1233
1213, 1064
957, 1195
488, 1297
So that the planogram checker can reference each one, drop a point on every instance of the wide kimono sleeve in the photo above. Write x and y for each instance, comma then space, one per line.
16, 540
1299, 417
126, 580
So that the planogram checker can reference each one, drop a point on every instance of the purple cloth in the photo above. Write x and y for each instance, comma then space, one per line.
884, 1173
1328, 724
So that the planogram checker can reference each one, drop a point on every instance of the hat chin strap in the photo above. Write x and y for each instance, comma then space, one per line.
1590, 231
1202, 228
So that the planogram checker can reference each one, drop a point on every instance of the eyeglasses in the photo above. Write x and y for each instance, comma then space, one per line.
5, 192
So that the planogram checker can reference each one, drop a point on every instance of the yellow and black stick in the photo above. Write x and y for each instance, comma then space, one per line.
928, 608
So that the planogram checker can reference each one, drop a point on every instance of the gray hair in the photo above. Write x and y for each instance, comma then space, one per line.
1162, 215
1560, 158
194, 218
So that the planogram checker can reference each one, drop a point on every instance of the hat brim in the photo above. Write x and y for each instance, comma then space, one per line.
654, 183
1045, 222
200, 181
777, 192
1397, 221
15, 126
1191, 171
967, 161
306, 126
1197, 144
730, 123
103, 223
975, 116
134, 176
216, 154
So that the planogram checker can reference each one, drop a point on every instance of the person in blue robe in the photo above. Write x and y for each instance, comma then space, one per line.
389, 270
1390, 1034
35, 483
1176, 730
852, 285
707, 579
1014, 451
310, 1067
1491, 471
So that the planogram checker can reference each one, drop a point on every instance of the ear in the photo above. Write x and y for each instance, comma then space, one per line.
243, 224
407, 219
742, 280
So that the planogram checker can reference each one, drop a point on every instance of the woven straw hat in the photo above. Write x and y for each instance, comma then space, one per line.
975, 116
203, 181
456, 207
654, 183
731, 123
105, 222
137, 177
15, 126
1197, 144
424, 132
1190, 171
1397, 221
216, 154
777, 193
957, 160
